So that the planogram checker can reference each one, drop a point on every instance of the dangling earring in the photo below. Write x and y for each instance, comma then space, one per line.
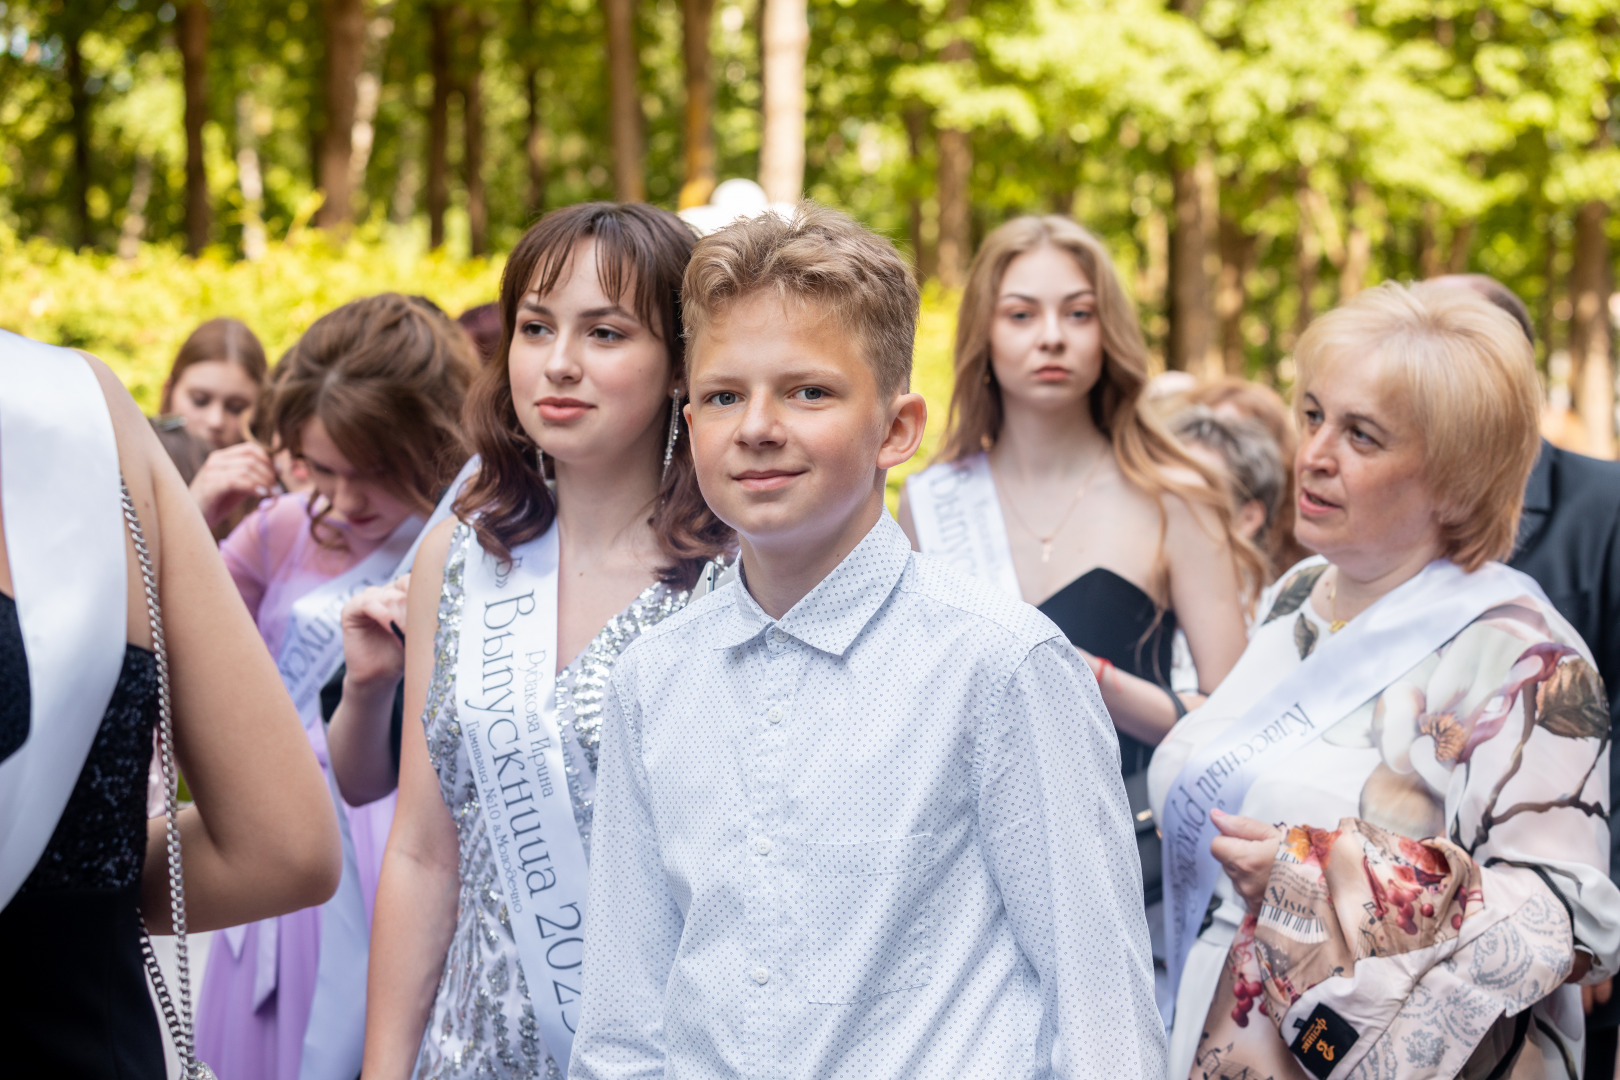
674, 430
540, 463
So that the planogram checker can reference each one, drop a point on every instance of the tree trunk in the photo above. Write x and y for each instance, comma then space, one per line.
140, 189
629, 185
955, 175
1189, 282
534, 133
345, 55
367, 96
1589, 339
700, 179
472, 130
1428, 244
1307, 260
786, 34
1232, 295
441, 17
250, 179
1545, 319
1462, 238
916, 121
79, 97
1357, 245
192, 32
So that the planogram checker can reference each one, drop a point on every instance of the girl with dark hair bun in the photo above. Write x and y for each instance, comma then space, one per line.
583, 527
369, 399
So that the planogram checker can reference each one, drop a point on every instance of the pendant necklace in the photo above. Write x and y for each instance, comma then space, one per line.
1046, 541
1335, 624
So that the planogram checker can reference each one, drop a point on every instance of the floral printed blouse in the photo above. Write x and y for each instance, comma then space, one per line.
1447, 853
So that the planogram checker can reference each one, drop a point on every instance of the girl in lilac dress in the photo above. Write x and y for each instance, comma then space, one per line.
369, 400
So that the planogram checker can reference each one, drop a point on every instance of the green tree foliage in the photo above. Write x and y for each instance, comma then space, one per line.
1339, 142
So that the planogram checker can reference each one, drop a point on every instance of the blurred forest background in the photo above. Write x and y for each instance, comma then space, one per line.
1249, 162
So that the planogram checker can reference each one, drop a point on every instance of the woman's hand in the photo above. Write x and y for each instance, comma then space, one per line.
372, 646
228, 477
1245, 849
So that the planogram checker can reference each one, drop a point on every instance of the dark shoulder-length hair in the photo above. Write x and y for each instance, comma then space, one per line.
641, 253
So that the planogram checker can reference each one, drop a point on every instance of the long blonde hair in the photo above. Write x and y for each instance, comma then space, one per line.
1147, 454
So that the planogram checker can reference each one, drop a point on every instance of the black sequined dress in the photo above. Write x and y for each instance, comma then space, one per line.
73, 999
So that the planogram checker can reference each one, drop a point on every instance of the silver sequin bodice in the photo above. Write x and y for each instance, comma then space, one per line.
482, 1025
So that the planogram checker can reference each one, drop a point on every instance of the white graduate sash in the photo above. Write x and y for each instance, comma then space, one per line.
312, 647
958, 516
311, 650
1346, 671
65, 542
507, 706
334, 1041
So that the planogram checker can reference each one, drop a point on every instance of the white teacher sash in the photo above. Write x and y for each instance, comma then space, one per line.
1346, 671
957, 516
65, 542
507, 705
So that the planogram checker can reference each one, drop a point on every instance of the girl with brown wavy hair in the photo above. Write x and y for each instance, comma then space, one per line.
369, 399
1057, 484
583, 527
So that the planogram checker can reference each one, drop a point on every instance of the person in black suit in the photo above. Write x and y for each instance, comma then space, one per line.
1569, 541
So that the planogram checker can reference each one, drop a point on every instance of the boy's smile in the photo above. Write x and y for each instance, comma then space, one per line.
791, 433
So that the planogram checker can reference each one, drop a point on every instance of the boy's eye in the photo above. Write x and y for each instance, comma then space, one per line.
724, 398
813, 393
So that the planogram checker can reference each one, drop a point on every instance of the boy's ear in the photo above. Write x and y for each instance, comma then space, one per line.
908, 416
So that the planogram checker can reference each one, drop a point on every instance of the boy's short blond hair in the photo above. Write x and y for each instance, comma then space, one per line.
820, 257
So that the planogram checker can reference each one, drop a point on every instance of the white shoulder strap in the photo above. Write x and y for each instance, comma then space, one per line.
65, 541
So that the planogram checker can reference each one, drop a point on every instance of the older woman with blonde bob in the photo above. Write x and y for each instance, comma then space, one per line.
1430, 734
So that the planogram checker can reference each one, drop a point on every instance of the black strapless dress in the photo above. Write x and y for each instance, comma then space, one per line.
1107, 616
73, 998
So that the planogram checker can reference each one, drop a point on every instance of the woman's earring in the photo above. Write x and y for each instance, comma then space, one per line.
674, 430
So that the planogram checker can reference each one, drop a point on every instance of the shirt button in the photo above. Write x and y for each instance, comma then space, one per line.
778, 636
774, 714
762, 846
761, 976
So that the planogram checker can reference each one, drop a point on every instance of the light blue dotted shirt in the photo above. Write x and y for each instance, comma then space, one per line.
883, 836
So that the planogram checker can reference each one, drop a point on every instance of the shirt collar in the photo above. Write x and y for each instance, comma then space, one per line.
831, 615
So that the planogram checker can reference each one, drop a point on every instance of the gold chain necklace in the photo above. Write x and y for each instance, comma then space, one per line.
1046, 541
1335, 624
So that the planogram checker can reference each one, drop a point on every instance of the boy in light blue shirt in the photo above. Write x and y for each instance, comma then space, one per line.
857, 815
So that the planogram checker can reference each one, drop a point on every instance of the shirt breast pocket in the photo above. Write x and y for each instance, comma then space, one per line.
868, 916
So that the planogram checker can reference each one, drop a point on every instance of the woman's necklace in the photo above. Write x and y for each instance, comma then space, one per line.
1046, 541
1335, 624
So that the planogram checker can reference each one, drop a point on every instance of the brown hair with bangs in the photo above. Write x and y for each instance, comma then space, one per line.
1148, 455
224, 339
386, 378
641, 253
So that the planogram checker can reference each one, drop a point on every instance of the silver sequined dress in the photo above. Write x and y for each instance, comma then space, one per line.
482, 1025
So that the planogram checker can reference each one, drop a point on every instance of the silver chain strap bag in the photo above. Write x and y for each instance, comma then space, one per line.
178, 1019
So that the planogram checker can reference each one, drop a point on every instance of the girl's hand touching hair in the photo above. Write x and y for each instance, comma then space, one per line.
229, 477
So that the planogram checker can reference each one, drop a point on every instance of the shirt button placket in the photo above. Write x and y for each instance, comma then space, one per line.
768, 903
